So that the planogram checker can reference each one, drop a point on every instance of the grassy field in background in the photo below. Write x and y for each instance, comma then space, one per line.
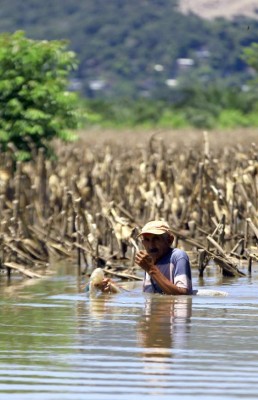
184, 137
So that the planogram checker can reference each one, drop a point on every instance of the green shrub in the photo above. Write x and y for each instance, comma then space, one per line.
199, 118
172, 119
233, 119
34, 101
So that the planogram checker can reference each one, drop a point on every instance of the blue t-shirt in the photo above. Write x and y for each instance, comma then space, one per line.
175, 266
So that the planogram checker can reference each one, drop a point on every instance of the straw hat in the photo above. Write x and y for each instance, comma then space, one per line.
156, 228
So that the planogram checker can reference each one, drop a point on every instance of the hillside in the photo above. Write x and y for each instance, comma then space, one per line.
210, 9
138, 49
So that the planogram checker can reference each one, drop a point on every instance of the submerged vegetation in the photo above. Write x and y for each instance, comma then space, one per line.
90, 203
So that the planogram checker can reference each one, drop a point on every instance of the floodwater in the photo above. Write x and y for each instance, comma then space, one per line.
56, 343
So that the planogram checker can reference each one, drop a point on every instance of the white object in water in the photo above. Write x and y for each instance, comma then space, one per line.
208, 292
96, 278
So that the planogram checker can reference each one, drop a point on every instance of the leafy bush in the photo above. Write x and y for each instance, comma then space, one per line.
236, 118
35, 106
200, 118
233, 119
173, 119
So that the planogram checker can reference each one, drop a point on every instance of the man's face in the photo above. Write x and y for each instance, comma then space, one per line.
156, 245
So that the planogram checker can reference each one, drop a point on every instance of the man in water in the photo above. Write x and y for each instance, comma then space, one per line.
167, 269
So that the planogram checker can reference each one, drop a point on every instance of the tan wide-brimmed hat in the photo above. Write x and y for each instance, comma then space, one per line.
156, 228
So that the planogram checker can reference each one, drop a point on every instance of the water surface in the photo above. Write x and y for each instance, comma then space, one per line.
56, 343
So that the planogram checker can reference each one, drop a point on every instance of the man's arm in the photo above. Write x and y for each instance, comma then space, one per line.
146, 263
165, 285
107, 286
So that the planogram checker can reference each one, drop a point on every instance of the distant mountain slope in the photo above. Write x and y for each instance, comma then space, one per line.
139, 48
210, 9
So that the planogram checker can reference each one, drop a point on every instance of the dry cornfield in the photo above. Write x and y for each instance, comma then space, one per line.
89, 204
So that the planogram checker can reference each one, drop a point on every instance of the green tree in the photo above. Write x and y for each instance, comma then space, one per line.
35, 105
250, 55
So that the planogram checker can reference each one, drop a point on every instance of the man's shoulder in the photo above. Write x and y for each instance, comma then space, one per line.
178, 253
180, 260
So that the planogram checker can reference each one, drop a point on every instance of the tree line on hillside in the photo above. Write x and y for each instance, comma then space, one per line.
134, 49
36, 106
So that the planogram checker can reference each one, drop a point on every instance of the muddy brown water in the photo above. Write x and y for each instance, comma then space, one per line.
56, 343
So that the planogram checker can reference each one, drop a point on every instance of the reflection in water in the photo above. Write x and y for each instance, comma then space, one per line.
165, 324
163, 327
60, 345
98, 306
